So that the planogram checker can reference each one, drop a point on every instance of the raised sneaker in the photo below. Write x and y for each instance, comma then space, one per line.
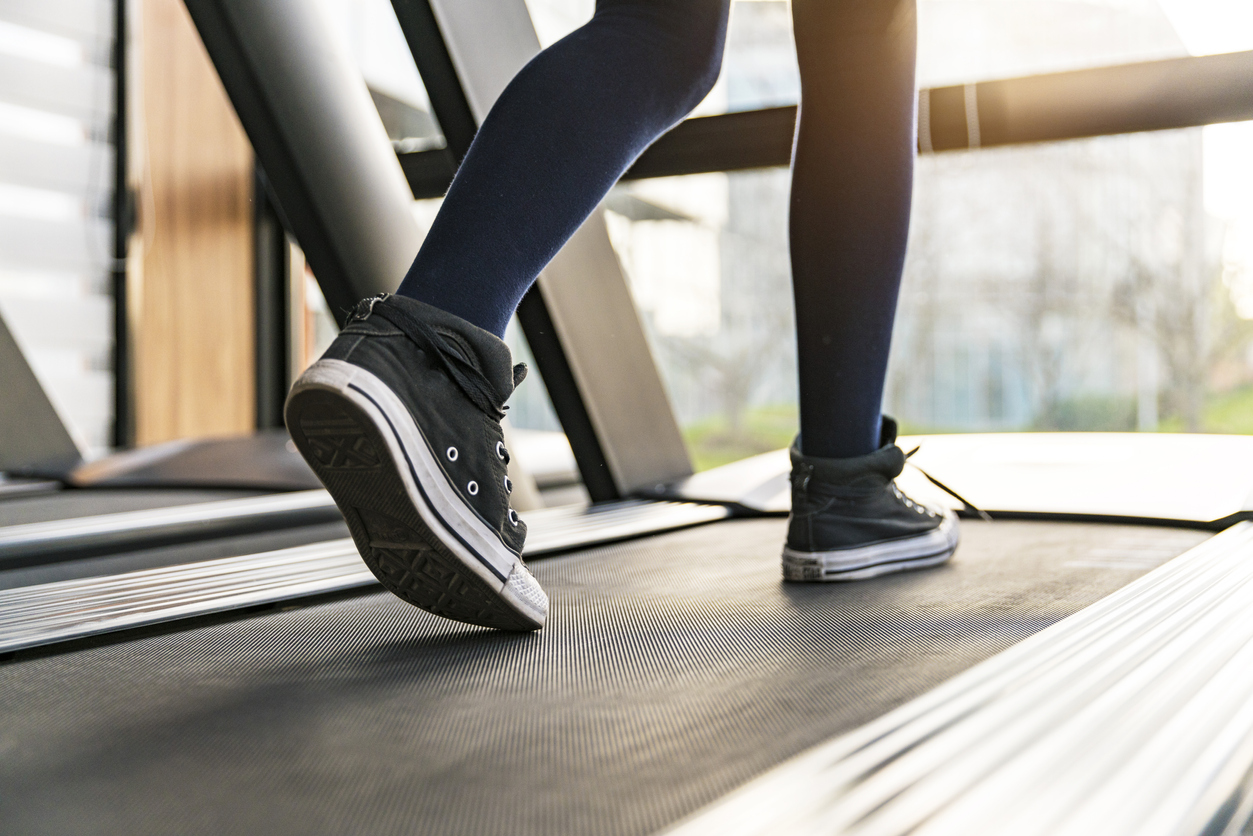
850, 521
400, 419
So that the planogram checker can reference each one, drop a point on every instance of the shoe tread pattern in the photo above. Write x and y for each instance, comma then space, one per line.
402, 552
337, 442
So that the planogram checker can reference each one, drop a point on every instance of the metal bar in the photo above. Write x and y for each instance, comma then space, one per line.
593, 314
1155, 95
123, 432
339, 187
1150, 96
13, 488
47, 542
57, 612
731, 141
272, 314
65, 610
567, 401
429, 173
1133, 716
553, 530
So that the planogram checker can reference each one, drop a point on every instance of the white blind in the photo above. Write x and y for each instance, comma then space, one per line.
56, 187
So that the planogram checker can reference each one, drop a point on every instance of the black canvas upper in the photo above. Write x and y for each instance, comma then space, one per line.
845, 503
454, 378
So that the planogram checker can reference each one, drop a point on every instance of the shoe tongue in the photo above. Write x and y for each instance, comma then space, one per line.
481, 349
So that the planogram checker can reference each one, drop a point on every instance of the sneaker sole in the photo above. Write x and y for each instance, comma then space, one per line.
856, 564
411, 527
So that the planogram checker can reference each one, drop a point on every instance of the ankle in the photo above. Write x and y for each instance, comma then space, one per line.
842, 444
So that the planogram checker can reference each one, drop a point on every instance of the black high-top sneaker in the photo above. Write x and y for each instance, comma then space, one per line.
849, 521
400, 419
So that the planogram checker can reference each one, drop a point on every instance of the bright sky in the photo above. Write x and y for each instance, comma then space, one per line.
1207, 27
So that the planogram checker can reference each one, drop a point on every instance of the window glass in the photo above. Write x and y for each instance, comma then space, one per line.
1102, 284
759, 66
372, 35
707, 261
1076, 286
961, 41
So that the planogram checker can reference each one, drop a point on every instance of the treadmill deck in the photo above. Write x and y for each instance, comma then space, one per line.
673, 669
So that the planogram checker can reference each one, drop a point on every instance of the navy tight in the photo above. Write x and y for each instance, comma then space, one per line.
576, 117
557, 139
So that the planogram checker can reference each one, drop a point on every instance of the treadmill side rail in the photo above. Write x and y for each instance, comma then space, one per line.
64, 610
44, 542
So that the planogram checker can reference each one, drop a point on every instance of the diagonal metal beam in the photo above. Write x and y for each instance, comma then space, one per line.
317, 135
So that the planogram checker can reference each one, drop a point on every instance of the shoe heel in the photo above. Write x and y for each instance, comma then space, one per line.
334, 439
345, 451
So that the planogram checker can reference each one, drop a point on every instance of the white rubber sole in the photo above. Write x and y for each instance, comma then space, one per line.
432, 550
855, 564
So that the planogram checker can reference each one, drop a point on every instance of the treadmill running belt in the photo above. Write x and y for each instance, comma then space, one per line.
673, 669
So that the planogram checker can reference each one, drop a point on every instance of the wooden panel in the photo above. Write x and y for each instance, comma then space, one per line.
192, 305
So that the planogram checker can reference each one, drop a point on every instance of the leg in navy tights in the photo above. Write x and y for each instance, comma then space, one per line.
558, 138
577, 115
852, 170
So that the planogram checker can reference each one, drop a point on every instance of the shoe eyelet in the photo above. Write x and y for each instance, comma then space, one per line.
452, 454
508, 485
472, 488
513, 516
501, 452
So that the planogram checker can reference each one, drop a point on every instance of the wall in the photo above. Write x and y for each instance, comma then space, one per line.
192, 275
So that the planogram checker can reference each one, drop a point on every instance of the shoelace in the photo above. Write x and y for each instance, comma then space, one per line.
966, 503
803, 485
467, 378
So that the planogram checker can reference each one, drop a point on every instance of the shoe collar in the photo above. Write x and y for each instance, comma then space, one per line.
481, 351
873, 470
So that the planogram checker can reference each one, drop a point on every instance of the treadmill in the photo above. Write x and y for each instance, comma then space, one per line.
189, 643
